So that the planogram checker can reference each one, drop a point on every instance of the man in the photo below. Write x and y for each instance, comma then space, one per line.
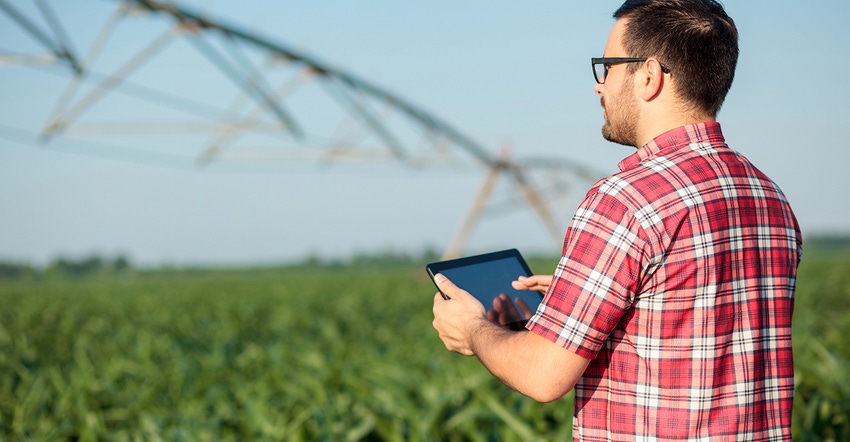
670, 310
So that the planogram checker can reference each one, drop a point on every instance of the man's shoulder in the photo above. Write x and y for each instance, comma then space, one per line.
644, 181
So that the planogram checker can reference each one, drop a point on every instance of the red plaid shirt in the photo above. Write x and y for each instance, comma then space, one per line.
677, 280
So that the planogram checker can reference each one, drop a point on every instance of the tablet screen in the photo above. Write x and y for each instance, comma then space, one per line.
486, 276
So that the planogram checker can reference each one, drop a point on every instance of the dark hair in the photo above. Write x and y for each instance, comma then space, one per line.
696, 39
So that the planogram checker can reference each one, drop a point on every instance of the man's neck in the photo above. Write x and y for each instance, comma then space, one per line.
662, 122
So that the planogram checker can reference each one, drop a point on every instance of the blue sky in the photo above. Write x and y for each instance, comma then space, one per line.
499, 71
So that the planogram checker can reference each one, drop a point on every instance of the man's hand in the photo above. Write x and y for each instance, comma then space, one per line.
524, 361
536, 282
456, 319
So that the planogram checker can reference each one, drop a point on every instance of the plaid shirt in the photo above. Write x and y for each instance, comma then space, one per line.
677, 280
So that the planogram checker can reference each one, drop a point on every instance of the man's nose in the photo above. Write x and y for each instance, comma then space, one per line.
599, 89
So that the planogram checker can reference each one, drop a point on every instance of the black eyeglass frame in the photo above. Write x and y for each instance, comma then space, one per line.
607, 61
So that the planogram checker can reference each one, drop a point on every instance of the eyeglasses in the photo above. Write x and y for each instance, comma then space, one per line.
601, 66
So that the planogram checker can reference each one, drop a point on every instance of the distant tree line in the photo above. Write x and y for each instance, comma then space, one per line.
384, 257
64, 266
98, 265
826, 243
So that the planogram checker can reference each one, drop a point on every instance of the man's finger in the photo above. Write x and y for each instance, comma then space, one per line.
441, 281
535, 282
447, 288
523, 283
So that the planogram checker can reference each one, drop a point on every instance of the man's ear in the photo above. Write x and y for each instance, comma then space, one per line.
651, 80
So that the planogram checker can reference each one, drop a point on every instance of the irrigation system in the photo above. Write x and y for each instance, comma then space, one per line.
269, 102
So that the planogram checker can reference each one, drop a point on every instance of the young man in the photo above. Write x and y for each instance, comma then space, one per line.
670, 310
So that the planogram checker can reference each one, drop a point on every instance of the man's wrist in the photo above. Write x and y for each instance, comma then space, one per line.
485, 332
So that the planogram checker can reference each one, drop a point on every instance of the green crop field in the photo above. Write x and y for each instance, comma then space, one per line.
309, 353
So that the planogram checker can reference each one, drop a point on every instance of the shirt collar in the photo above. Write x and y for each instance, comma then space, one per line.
707, 132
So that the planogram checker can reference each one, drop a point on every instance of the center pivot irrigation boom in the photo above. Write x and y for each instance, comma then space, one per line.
288, 105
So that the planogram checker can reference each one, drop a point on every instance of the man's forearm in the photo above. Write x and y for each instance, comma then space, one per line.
500, 351
527, 362
522, 360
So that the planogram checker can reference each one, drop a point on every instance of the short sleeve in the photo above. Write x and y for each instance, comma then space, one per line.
597, 278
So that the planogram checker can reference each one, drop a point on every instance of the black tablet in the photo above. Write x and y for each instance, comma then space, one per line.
487, 276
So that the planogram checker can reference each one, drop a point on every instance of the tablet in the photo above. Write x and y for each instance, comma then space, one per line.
488, 275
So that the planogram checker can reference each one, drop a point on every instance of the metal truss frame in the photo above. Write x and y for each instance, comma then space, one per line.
367, 132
